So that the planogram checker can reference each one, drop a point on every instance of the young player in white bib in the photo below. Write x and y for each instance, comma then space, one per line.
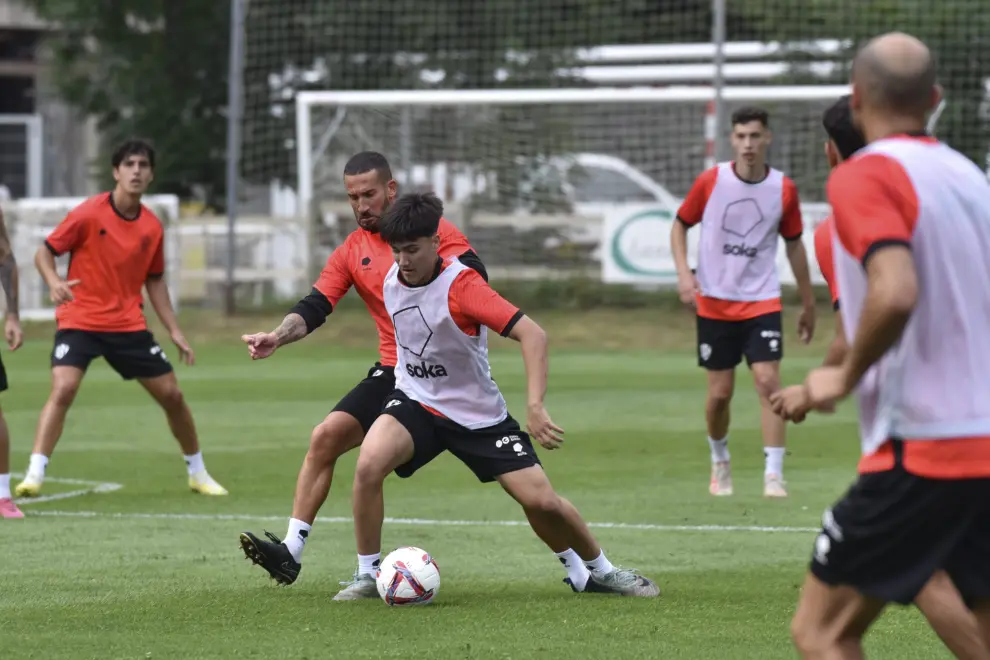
446, 400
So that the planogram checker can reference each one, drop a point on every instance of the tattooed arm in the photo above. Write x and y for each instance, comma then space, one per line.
293, 328
8, 272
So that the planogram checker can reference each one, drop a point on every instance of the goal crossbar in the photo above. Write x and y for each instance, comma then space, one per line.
306, 100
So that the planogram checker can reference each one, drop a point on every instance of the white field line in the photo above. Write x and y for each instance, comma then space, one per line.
89, 487
421, 522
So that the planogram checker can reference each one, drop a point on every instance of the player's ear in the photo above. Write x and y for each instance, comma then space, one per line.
937, 94
831, 153
436, 241
390, 189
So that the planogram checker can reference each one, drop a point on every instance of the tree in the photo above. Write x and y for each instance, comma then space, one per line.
150, 68
957, 31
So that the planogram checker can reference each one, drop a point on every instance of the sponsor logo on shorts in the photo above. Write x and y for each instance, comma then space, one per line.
705, 351
514, 441
424, 370
61, 351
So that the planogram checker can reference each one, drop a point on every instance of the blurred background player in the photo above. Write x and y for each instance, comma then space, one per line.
844, 139
14, 336
742, 207
446, 400
939, 601
918, 357
116, 247
362, 262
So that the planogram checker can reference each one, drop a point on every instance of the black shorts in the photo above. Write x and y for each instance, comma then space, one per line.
130, 354
364, 402
488, 452
892, 530
722, 344
3, 377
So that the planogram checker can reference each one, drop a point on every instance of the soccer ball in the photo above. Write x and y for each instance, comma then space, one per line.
408, 576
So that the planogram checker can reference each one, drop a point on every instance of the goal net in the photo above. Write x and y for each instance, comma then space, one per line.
543, 129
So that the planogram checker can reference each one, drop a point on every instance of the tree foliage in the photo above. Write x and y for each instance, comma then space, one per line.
150, 68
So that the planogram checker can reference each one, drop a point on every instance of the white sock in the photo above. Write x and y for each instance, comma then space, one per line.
295, 538
600, 565
576, 570
775, 461
194, 463
720, 449
36, 468
4, 486
368, 564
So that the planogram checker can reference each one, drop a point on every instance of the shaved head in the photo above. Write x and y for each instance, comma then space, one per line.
895, 72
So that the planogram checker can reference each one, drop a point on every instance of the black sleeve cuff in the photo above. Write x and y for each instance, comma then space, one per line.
155, 276
791, 239
512, 323
881, 244
684, 222
835, 306
52, 250
314, 310
473, 261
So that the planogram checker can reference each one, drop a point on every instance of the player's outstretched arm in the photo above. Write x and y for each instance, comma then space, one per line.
798, 258
533, 341
687, 284
162, 304
838, 347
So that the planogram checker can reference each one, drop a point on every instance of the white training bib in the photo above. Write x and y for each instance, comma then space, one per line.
438, 364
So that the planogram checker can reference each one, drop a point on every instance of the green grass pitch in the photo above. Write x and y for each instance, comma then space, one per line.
149, 570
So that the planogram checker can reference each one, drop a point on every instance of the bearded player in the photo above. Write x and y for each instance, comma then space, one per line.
362, 262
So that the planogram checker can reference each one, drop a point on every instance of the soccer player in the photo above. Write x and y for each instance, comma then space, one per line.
912, 231
742, 206
115, 245
939, 600
15, 337
361, 262
446, 400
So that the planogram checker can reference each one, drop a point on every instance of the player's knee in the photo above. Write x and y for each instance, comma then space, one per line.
63, 393
719, 397
543, 502
766, 383
809, 638
327, 443
171, 398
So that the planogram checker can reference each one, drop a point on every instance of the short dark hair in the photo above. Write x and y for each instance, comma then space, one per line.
751, 113
368, 161
838, 124
134, 147
411, 217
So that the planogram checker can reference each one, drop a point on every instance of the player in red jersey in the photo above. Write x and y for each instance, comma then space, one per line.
14, 337
911, 232
742, 208
939, 601
362, 262
116, 248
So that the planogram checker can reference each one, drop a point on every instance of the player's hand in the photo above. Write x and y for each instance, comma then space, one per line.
791, 403
61, 292
13, 333
687, 288
541, 427
185, 351
260, 344
806, 324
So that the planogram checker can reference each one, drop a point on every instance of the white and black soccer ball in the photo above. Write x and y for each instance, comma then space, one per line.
408, 576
